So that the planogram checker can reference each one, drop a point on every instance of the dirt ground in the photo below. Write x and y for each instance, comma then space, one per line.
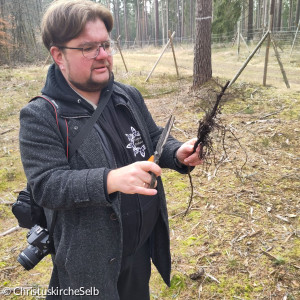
240, 238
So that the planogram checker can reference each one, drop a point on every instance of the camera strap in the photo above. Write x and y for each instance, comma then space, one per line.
79, 138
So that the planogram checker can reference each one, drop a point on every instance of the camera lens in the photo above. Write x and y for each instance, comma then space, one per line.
30, 257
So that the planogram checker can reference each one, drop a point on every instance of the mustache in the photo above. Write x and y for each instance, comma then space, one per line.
105, 63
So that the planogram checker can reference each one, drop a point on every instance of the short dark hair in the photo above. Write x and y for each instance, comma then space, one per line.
64, 20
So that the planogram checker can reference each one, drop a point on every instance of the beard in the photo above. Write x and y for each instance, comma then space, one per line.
90, 85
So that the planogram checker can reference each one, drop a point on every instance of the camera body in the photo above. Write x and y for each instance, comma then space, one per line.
40, 245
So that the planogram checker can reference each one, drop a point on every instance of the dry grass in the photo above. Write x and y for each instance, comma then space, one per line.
241, 238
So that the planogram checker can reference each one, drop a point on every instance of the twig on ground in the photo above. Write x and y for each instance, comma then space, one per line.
255, 233
6, 203
273, 113
269, 255
159, 94
7, 130
212, 278
9, 231
282, 219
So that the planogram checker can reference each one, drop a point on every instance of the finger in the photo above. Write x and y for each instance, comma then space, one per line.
148, 166
146, 185
192, 141
193, 160
146, 177
153, 181
196, 163
188, 150
146, 191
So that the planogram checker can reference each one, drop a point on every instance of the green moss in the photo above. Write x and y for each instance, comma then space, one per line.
294, 253
180, 186
234, 286
189, 241
249, 110
3, 264
178, 283
8, 178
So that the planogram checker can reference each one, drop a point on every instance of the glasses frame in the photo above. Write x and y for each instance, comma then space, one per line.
102, 44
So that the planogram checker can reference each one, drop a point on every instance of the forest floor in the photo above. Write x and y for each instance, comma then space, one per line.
241, 237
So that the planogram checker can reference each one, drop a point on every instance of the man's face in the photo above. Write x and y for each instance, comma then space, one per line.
83, 74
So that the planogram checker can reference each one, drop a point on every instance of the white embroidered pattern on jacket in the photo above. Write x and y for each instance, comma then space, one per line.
136, 142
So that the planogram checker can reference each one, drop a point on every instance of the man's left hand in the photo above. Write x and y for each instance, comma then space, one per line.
186, 156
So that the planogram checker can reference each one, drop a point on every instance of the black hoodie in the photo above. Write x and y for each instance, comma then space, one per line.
123, 144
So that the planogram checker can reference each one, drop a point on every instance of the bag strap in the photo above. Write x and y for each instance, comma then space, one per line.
79, 138
60, 122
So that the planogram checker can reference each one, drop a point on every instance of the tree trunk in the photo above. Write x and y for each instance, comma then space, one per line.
279, 12
291, 15
298, 12
145, 21
202, 51
116, 17
142, 23
191, 19
266, 14
125, 23
137, 22
167, 15
250, 21
178, 20
156, 23
258, 14
182, 20
162, 22
243, 17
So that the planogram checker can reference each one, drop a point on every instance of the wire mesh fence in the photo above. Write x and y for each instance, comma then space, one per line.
283, 38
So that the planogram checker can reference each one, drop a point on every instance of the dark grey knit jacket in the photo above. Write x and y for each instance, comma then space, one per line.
88, 229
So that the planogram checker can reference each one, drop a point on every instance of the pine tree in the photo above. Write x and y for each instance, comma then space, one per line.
202, 52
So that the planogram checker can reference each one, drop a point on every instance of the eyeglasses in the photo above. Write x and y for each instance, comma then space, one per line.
90, 51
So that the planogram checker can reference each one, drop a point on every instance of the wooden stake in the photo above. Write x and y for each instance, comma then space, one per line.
279, 62
248, 59
119, 48
160, 57
268, 42
266, 60
234, 39
295, 38
49, 55
245, 42
238, 40
171, 41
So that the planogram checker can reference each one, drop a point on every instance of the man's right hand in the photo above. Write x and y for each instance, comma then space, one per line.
133, 179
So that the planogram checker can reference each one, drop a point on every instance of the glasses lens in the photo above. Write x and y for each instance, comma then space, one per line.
108, 47
92, 51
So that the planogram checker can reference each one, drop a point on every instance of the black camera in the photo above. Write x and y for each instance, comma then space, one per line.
40, 245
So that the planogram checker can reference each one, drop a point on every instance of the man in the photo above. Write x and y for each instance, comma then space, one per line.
109, 222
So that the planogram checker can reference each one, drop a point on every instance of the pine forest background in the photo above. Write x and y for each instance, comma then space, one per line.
147, 22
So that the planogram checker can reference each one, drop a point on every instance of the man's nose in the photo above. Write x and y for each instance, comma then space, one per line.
101, 53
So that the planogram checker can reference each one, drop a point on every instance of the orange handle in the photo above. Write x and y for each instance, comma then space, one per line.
151, 158
153, 177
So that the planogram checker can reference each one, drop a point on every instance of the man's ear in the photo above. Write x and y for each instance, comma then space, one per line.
57, 56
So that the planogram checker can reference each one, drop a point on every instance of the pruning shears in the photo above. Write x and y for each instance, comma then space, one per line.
160, 146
